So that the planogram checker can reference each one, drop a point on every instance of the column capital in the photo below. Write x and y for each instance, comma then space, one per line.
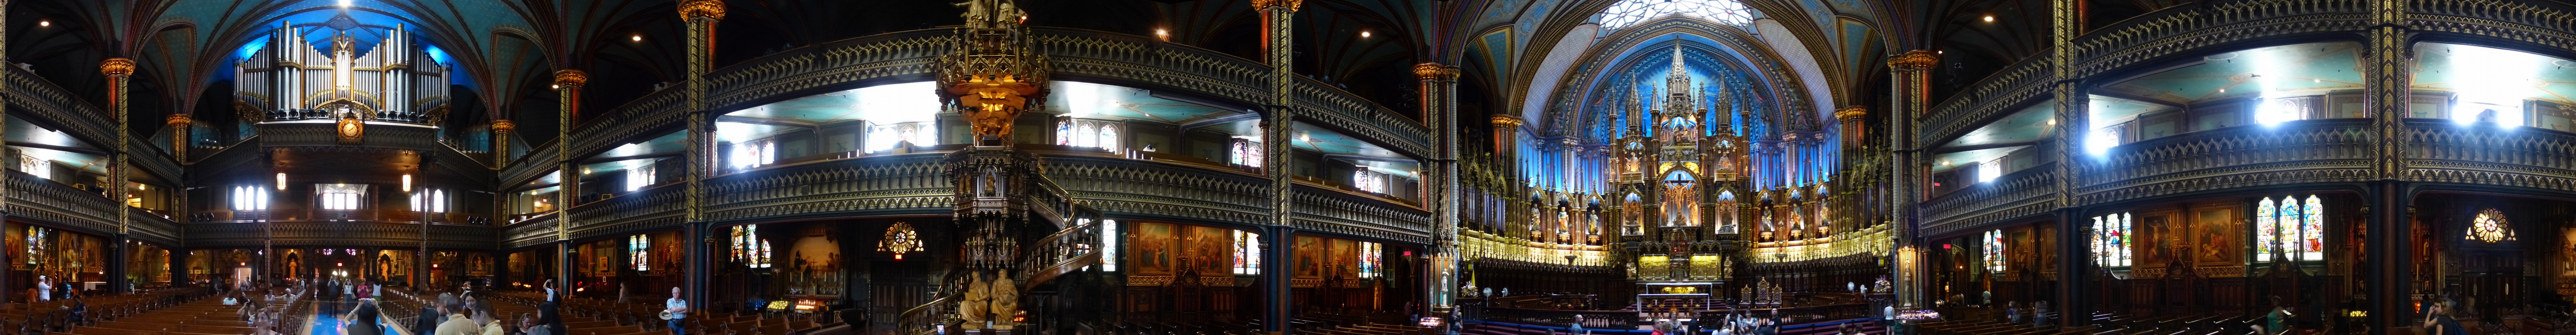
1435, 71
571, 78
504, 126
176, 120
1507, 121
1851, 113
702, 9
116, 67
1916, 60
1290, 4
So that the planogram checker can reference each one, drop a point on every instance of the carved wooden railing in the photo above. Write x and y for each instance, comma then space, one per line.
534, 231
2027, 192
527, 168
151, 158
2147, 38
918, 184
905, 56
653, 207
148, 227
2329, 150
253, 234
37, 97
929, 317
2447, 152
31, 197
1057, 254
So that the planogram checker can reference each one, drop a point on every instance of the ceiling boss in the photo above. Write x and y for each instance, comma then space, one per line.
994, 74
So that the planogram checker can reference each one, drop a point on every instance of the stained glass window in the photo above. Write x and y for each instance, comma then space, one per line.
748, 248
754, 153
2490, 226
2267, 230
36, 237
1630, 12
636, 247
1247, 153
1109, 245
1371, 263
1247, 253
2290, 228
1994, 250
2111, 240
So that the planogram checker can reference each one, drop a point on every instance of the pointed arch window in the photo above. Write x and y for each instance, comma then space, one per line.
1246, 153
1994, 251
2290, 228
637, 247
2111, 240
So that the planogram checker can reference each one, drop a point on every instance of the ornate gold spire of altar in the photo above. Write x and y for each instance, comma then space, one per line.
993, 75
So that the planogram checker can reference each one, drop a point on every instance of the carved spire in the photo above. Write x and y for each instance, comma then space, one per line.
993, 75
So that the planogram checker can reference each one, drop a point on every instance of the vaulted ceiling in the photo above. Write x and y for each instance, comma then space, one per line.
505, 50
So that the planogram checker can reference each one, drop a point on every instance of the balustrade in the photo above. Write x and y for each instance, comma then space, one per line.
2444, 151
253, 234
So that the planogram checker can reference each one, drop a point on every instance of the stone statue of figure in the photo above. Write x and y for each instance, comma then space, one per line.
975, 13
1005, 296
974, 301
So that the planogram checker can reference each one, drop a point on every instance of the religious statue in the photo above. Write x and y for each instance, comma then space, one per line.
1005, 296
973, 304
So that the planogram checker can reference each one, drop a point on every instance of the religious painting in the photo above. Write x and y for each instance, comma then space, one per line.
2157, 234
2047, 240
1208, 249
2218, 236
1153, 248
1343, 256
1310, 257
2567, 252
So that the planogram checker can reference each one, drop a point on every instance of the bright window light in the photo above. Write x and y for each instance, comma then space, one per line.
2100, 141
1109, 245
639, 175
754, 153
2491, 83
1986, 172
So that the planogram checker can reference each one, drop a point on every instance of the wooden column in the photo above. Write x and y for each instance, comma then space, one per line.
2386, 254
1438, 96
700, 16
2069, 134
118, 71
568, 90
1277, 37
1913, 90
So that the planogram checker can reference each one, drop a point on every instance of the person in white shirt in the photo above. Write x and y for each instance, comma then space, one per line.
44, 289
674, 310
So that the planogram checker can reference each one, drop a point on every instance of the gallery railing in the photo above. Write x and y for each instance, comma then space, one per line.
253, 234
908, 55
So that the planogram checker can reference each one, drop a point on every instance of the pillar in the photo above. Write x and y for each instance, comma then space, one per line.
118, 71
1507, 135
1913, 89
2385, 70
1277, 36
1438, 108
7, 288
568, 87
501, 131
2075, 267
700, 16
179, 124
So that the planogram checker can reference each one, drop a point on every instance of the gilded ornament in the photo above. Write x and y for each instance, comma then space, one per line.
179, 120
1291, 4
1507, 121
1435, 71
1914, 61
708, 9
116, 67
993, 75
504, 126
571, 78
1851, 113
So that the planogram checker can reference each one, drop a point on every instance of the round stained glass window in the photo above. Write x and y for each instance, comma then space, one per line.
2489, 226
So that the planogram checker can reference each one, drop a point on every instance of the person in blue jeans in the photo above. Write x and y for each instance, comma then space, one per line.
674, 310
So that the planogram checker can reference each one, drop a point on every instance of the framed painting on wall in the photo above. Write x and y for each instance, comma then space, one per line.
1208, 249
1310, 257
2218, 239
1153, 248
